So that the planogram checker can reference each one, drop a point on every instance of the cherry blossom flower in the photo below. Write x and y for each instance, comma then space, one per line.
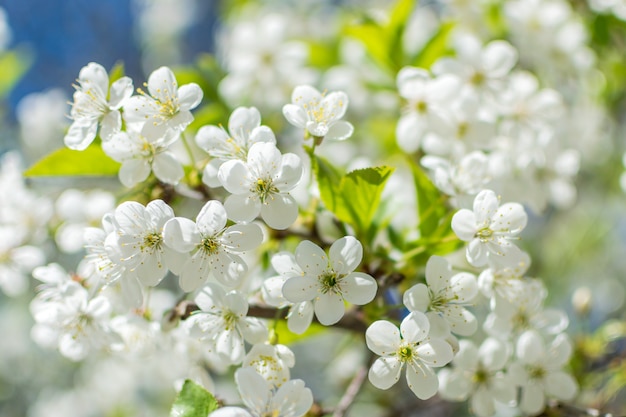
215, 248
222, 321
261, 186
478, 374
91, 106
139, 232
328, 280
244, 130
292, 399
272, 362
489, 228
141, 152
165, 106
319, 113
300, 314
444, 299
409, 345
539, 371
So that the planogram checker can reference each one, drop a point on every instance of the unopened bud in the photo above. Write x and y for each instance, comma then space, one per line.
582, 300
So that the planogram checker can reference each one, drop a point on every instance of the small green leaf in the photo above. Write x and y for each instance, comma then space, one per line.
66, 162
286, 337
193, 401
116, 72
400, 14
13, 66
436, 47
328, 180
360, 195
430, 204
374, 38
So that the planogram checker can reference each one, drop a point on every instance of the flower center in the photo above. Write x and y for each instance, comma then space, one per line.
330, 282
536, 372
264, 189
405, 353
230, 319
209, 245
485, 234
478, 78
421, 107
152, 240
480, 377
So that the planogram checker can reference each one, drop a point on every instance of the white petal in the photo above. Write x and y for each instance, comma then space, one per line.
151, 270
167, 168
94, 76
189, 96
454, 385
345, 254
417, 298
385, 372
229, 346
329, 308
415, 327
81, 134
300, 317
382, 338
437, 273
295, 115
485, 206
211, 138
437, 352
510, 218
290, 172
181, 234
132, 292
242, 237
212, 218
211, 297
194, 273
253, 330
358, 288
162, 84
422, 381
301, 288
463, 287
264, 160
482, 403
280, 211
243, 120
110, 125
493, 354
306, 95
254, 390
230, 412
242, 207
498, 58
229, 269
134, 171
235, 176
121, 90
467, 356
311, 258
530, 347
560, 385
533, 399
292, 399
464, 224
340, 130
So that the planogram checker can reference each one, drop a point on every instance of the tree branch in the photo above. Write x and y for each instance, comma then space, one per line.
351, 392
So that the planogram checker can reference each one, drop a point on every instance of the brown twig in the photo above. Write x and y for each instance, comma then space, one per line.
351, 392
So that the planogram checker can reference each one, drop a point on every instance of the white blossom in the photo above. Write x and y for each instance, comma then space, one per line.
215, 248
91, 107
408, 345
261, 185
328, 280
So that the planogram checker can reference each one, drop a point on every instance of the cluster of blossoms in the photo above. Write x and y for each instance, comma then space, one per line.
221, 247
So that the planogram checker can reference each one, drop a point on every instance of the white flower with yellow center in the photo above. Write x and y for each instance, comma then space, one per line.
165, 105
92, 107
292, 399
328, 280
143, 152
222, 321
319, 113
489, 229
215, 248
261, 186
272, 362
410, 346
444, 299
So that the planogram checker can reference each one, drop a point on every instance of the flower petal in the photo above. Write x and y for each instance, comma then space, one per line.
422, 381
311, 258
329, 308
382, 338
280, 211
242, 237
345, 255
415, 327
385, 372
358, 288
167, 168
301, 288
417, 298
189, 96
211, 219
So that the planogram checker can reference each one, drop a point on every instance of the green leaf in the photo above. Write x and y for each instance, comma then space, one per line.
360, 192
328, 180
374, 38
193, 401
13, 66
430, 204
116, 72
66, 162
286, 337
395, 29
436, 47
